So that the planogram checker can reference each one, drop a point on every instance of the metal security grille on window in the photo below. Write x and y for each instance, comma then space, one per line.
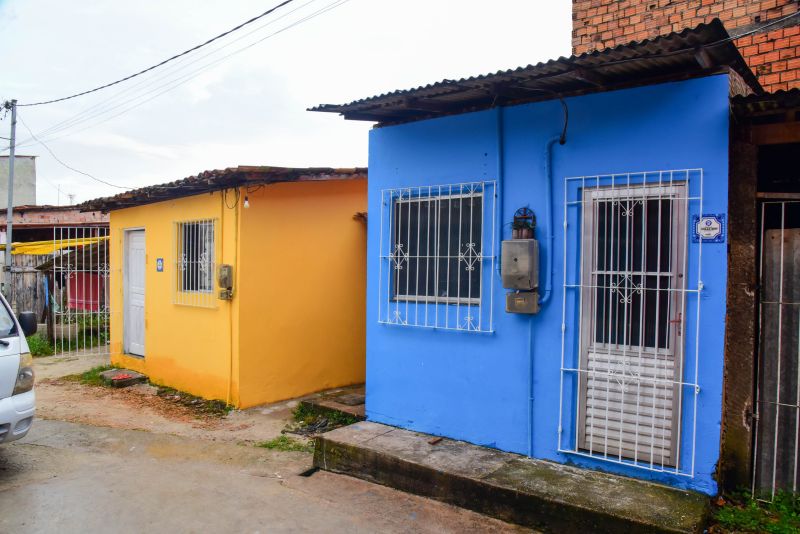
195, 255
629, 389
435, 265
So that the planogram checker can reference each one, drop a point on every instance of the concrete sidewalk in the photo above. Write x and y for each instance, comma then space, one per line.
544, 495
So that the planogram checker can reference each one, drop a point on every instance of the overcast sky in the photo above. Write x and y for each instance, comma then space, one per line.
248, 109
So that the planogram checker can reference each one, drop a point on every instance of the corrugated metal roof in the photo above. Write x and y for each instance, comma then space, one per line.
693, 52
216, 180
768, 103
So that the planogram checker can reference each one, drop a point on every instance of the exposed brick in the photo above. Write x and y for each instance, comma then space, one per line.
772, 55
766, 47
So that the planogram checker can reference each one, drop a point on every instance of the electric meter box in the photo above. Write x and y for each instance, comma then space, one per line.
225, 281
522, 302
519, 264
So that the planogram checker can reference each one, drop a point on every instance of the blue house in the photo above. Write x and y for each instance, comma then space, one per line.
547, 261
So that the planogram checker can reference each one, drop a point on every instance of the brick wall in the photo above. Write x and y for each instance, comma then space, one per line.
773, 55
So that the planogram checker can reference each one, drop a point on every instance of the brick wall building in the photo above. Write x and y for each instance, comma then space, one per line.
772, 53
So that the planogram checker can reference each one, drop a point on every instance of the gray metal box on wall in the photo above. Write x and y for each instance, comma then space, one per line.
522, 302
519, 264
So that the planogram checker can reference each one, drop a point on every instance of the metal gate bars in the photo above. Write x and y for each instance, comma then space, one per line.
777, 427
78, 290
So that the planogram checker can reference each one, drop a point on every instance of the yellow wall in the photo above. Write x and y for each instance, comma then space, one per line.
303, 284
296, 324
188, 348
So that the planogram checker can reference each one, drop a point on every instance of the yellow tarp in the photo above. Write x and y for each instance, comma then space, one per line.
48, 247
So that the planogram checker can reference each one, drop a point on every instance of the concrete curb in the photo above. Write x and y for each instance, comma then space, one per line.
538, 494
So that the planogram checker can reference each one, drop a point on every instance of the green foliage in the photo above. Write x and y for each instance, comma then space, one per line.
287, 444
91, 377
306, 414
39, 346
741, 513
76, 331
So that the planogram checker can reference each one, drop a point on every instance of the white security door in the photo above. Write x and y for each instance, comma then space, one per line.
134, 292
632, 357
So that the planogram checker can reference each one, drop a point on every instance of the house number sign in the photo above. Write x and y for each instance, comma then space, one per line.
160, 265
710, 228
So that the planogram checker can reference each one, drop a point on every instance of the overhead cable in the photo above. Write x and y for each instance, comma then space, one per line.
176, 56
73, 169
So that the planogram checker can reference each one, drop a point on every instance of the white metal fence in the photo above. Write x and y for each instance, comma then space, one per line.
631, 300
777, 413
437, 255
78, 287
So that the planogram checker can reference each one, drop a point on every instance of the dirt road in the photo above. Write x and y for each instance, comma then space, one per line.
86, 468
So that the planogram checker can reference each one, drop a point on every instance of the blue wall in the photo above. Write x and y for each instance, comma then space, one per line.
475, 387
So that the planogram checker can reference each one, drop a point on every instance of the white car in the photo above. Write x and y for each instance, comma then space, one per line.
17, 399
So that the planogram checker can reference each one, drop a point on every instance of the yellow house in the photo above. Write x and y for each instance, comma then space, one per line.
245, 284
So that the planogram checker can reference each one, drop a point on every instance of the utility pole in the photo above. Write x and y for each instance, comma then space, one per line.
12, 105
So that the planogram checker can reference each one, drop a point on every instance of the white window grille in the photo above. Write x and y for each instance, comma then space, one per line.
628, 387
437, 256
776, 465
195, 262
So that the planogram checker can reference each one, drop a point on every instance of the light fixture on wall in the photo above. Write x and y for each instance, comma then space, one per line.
246, 202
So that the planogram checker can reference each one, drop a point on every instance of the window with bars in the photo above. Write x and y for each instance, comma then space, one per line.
195, 261
436, 247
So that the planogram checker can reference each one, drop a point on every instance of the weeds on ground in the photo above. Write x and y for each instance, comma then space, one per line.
39, 346
215, 408
287, 444
308, 414
309, 420
91, 377
741, 513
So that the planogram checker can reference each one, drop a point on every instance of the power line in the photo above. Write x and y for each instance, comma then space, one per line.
73, 169
173, 84
176, 56
103, 106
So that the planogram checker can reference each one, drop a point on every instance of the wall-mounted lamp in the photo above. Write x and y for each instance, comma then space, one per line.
246, 202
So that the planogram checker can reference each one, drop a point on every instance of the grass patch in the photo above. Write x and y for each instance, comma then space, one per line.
91, 377
741, 513
39, 346
308, 415
287, 444
309, 420
215, 408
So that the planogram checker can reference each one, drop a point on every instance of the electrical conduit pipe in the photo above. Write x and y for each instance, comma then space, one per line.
548, 291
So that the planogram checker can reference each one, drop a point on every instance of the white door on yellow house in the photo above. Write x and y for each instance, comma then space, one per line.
133, 314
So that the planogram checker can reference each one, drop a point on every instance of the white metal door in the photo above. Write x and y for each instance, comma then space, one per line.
633, 255
134, 292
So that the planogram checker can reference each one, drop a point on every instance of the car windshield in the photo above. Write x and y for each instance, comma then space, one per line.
7, 325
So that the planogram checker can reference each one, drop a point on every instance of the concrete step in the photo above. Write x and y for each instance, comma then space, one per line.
543, 495
347, 400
